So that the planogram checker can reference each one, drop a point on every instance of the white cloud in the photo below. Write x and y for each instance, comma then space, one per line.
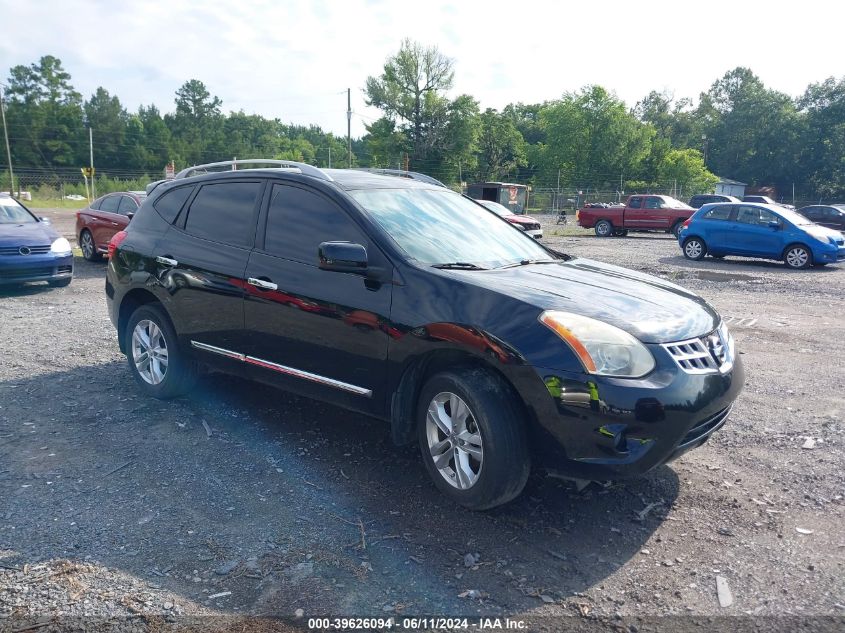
294, 60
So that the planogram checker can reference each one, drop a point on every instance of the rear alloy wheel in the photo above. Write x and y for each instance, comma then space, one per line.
472, 438
160, 368
798, 256
89, 249
694, 249
604, 228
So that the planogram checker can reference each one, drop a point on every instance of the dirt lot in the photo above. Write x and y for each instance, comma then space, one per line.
244, 500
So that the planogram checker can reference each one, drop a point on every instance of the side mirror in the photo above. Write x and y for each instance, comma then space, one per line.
344, 257
45, 220
775, 226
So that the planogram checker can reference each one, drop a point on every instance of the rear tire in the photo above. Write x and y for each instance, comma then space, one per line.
695, 249
472, 437
604, 228
161, 369
797, 256
676, 228
89, 248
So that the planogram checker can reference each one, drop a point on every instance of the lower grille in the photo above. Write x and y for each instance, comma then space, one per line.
706, 427
20, 273
64, 269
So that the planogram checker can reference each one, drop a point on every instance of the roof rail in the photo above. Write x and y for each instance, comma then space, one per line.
308, 170
413, 175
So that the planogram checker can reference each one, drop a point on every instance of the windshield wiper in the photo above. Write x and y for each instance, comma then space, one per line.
526, 262
458, 266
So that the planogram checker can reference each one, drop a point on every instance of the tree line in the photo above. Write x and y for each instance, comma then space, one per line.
586, 139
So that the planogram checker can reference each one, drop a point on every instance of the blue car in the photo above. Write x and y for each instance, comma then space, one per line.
30, 249
760, 230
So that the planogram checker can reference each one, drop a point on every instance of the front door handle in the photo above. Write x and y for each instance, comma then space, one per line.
262, 284
166, 261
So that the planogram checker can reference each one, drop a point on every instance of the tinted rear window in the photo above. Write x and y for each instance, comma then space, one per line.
225, 213
169, 205
718, 213
109, 204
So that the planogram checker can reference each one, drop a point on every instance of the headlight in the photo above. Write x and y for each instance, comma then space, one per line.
60, 247
603, 349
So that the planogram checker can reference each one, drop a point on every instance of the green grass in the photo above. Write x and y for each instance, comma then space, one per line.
47, 203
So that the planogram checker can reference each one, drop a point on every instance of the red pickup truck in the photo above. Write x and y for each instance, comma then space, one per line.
640, 213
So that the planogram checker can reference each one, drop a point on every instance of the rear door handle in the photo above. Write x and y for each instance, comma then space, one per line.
263, 285
115, 224
166, 261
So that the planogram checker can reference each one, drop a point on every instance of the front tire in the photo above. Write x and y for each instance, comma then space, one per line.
89, 249
472, 438
797, 256
695, 249
604, 228
159, 367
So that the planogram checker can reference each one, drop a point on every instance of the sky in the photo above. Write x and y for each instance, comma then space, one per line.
295, 59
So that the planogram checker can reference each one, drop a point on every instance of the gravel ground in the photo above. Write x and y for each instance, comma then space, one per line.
245, 501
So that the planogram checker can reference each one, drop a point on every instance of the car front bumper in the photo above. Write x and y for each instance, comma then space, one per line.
600, 428
828, 254
16, 269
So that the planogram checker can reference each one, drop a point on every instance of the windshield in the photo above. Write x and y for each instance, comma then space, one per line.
671, 203
496, 207
11, 212
442, 227
793, 216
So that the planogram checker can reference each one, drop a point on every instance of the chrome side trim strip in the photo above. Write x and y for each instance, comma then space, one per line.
284, 369
218, 350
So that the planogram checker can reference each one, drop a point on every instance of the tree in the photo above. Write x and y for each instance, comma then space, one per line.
45, 114
384, 143
823, 105
502, 148
409, 91
196, 127
685, 169
591, 140
107, 118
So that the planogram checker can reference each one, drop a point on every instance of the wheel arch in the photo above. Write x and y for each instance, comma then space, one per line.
131, 301
796, 243
403, 403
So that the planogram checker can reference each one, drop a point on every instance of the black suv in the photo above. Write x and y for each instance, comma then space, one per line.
401, 299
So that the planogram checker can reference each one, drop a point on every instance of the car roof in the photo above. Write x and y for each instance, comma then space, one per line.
774, 208
346, 179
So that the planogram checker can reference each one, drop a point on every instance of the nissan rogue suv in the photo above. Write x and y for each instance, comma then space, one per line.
398, 298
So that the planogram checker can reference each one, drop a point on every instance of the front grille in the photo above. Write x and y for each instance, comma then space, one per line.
706, 427
20, 273
16, 250
708, 354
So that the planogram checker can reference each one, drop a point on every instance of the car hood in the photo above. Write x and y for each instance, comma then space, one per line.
647, 307
30, 234
822, 232
520, 219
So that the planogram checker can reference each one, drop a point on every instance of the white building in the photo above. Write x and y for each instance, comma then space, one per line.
728, 187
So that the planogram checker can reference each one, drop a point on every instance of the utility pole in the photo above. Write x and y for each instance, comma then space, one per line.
349, 124
330, 156
91, 154
8, 151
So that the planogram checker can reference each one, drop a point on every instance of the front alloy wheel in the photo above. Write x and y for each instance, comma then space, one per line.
694, 249
454, 440
149, 352
471, 430
798, 257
